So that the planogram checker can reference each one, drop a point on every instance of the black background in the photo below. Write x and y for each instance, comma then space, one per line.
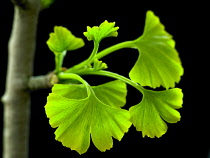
188, 138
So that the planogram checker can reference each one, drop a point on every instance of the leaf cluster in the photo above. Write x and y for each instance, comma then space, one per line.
106, 29
82, 112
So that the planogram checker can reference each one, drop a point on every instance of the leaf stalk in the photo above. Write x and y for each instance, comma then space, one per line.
87, 61
116, 76
59, 61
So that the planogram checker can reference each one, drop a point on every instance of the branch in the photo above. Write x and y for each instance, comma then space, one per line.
16, 98
42, 82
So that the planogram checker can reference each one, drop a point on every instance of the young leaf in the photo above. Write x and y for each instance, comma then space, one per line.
78, 112
106, 29
46, 3
156, 106
158, 63
99, 65
63, 40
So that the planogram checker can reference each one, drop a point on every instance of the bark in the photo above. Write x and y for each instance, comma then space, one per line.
20, 67
43, 81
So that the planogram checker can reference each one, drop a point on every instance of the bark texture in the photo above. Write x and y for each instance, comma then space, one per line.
20, 67
43, 81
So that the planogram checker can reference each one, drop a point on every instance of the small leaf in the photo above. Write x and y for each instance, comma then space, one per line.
63, 40
106, 29
148, 116
158, 63
78, 112
46, 3
99, 65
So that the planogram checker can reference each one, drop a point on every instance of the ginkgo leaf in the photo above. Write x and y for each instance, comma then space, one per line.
112, 93
106, 29
158, 63
156, 106
63, 40
99, 65
77, 117
71, 91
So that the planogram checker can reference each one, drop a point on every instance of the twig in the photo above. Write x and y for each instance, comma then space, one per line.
42, 82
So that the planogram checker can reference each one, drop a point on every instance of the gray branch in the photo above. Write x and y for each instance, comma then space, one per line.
16, 98
42, 82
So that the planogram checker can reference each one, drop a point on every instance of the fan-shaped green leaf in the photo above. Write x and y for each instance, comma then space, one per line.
148, 116
158, 63
78, 112
112, 93
63, 40
106, 29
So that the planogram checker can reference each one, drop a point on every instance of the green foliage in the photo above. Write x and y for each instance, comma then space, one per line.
46, 3
112, 93
106, 29
63, 40
82, 112
156, 106
158, 63
99, 65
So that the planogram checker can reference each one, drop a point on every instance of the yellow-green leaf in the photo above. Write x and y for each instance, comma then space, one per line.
158, 63
63, 40
79, 112
156, 107
97, 33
